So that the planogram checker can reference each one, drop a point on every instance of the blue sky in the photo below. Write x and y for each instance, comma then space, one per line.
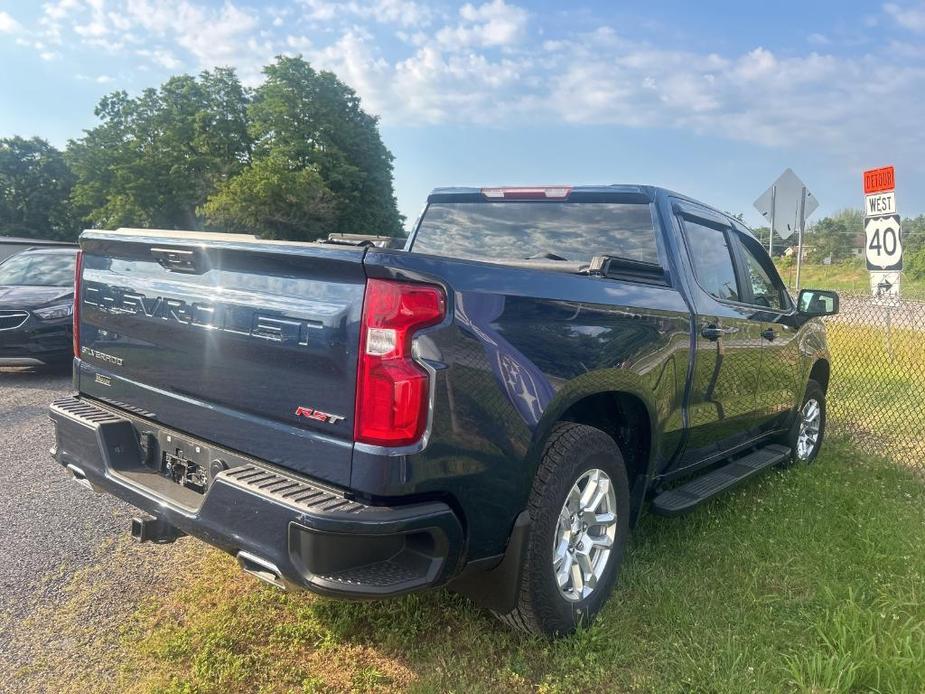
714, 99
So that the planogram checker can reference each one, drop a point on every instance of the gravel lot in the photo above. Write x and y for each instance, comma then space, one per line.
71, 575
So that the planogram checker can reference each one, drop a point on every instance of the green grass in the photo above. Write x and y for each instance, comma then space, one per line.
876, 389
809, 579
850, 277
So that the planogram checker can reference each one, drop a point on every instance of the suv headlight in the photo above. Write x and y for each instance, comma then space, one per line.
52, 312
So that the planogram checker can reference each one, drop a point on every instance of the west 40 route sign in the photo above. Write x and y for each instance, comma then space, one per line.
883, 246
884, 243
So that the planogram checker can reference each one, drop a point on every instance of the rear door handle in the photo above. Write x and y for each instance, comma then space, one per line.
714, 332
769, 334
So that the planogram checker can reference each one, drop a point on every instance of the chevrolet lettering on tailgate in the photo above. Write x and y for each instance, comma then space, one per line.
231, 318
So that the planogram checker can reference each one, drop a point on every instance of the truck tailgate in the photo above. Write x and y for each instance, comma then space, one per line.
248, 342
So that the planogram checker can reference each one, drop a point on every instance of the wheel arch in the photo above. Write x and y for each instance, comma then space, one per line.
624, 411
820, 372
625, 418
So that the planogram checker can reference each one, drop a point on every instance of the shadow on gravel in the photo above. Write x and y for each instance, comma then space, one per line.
34, 377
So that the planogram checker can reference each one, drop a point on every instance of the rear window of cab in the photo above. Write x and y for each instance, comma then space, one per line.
573, 231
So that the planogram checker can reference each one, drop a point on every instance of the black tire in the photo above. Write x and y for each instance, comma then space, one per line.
571, 450
814, 391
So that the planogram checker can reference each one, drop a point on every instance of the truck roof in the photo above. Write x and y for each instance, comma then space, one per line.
613, 188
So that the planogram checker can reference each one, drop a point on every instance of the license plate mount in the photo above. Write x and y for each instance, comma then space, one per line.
187, 465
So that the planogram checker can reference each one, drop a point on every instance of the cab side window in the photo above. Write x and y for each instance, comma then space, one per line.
766, 288
711, 257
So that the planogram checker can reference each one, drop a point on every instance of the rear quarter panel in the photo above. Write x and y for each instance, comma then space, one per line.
521, 347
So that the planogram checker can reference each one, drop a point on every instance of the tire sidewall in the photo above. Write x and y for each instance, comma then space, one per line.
594, 450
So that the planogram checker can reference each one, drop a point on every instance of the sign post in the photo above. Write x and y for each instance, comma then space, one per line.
800, 241
883, 232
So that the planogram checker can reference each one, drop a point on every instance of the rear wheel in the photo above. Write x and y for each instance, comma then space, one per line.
805, 438
579, 520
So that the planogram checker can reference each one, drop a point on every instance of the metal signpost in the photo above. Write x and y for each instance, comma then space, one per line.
786, 205
883, 231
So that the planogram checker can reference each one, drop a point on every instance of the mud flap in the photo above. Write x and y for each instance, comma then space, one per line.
496, 588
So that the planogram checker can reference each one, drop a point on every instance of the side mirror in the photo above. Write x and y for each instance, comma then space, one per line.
817, 302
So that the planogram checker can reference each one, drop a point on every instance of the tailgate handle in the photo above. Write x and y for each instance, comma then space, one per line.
179, 260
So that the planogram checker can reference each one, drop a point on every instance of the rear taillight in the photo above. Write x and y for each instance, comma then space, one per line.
392, 389
78, 271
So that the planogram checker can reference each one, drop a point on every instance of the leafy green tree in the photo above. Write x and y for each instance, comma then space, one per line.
913, 230
835, 237
914, 263
276, 199
305, 120
35, 183
852, 218
296, 159
154, 159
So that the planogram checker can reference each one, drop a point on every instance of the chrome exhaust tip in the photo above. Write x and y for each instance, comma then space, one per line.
80, 478
260, 568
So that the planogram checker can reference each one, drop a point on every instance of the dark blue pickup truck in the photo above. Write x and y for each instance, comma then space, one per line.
490, 408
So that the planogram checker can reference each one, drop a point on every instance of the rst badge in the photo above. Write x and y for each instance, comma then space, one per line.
317, 415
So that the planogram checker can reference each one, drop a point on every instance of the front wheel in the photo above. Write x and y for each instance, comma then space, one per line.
808, 430
579, 520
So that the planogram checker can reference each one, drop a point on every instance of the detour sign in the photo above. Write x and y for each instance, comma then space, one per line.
879, 180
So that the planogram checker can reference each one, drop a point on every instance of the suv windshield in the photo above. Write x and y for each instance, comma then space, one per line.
39, 269
575, 231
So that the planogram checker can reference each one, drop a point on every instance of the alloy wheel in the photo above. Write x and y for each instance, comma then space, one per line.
810, 423
585, 533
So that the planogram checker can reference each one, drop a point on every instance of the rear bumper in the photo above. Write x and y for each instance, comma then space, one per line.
282, 527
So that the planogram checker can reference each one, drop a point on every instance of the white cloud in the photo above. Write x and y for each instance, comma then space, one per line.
161, 56
59, 10
495, 23
491, 61
8, 25
93, 29
169, 33
406, 13
299, 44
211, 37
911, 17
456, 74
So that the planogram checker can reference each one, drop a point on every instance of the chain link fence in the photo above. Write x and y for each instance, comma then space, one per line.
876, 394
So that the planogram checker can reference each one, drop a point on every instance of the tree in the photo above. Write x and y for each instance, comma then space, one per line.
295, 159
828, 239
156, 158
913, 233
302, 120
276, 199
836, 237
35, 183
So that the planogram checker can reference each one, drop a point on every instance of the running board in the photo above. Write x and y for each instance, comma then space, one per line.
700, 489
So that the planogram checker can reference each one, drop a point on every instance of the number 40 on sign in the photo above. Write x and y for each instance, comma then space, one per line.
884, 243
